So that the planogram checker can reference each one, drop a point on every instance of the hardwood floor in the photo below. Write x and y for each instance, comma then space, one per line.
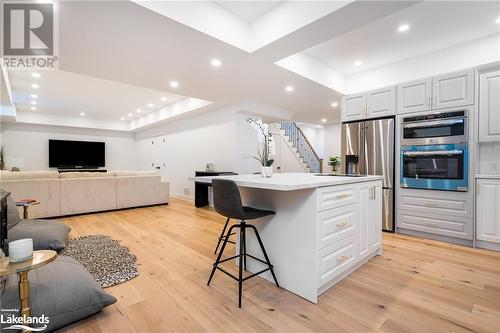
417, 285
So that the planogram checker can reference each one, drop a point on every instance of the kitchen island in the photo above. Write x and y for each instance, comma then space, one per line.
325, 227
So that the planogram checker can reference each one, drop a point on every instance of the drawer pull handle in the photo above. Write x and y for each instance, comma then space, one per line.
431, 225
343, 195
342, 259
431, 204
343, 224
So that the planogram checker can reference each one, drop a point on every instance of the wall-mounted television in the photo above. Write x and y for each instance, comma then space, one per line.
66, 154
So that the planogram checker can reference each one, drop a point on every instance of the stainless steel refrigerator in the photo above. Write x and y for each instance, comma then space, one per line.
368, 148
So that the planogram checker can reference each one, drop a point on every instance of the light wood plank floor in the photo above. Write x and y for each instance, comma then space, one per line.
417, 285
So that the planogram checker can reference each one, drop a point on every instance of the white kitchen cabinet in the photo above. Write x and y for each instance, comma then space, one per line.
354, 107
453, 89
380, 102
488, 210
370, 219
415, 96
489, 107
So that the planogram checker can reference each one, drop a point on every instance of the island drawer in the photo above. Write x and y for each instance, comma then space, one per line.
336, 224
336, 196
336, 259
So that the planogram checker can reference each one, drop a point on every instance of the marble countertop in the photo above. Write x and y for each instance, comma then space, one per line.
289, 181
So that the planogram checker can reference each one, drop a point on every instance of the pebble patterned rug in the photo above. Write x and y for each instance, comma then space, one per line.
104, 258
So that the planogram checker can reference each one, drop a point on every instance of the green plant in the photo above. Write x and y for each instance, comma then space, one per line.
264, 153
334, 161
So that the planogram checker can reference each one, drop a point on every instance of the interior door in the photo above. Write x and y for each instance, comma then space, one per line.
380, 149
353, 146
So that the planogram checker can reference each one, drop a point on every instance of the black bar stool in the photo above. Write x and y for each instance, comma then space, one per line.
227, 202
222, 234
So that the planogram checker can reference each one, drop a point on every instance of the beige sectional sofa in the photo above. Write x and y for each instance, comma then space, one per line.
83, 192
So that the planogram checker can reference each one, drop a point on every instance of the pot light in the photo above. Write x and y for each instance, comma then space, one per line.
216, 63
323, 120
122, 118
35, 86
33, 102
289, 88
358, 63
498, 20
173, 84
138, 110
34, 96
33, 108
35, 74
334, 104
130, 114
151, 105
403, 27
82, 114
163, 99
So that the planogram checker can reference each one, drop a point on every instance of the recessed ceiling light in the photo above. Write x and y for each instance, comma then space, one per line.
163, 99
334, 104
35, 74
33, 102
35, 86
323, 120
34, 96
498, 20
216, 62
138, 110
33, 108
289, 88
173, 84
151, 105
403, 27
358, 63
130, 114
82, 114
122, 118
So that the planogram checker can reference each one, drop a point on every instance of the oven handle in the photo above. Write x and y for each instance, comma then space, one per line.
433, 123
433, 152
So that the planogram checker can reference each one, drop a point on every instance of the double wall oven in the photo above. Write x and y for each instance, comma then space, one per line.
434, 151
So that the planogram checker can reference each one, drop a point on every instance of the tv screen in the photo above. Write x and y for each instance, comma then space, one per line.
76, 154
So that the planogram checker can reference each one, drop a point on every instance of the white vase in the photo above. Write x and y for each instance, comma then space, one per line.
267, 172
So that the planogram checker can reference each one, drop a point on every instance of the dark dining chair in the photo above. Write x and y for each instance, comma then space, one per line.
227, 202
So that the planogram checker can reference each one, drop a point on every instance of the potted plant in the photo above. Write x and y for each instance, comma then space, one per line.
263, 153
334, 161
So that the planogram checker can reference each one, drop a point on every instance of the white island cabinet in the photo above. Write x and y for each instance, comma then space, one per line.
325, 227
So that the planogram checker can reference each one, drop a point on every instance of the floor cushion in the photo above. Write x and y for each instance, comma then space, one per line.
46, 234
62, 290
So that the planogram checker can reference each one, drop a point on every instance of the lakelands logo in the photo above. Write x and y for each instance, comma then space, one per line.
28, 324
29, 35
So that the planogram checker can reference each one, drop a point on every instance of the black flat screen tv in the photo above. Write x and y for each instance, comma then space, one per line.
66, 154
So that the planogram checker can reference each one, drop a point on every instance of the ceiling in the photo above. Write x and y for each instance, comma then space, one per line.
248, 11
433, 25
68, 94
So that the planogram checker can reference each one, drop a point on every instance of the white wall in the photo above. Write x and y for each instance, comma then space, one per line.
31, 144
332, 143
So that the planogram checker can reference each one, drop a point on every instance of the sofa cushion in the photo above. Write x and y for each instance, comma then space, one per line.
84, 174
29, 175
13, 217
135, 173
46, 234
62, 290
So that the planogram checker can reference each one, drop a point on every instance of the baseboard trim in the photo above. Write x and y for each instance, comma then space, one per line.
487, 245
447, 239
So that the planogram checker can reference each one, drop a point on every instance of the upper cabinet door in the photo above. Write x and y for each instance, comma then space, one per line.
354, 107
489, 107
414, 96
380, 102
454, 89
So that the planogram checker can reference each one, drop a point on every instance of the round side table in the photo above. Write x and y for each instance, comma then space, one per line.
25, 206
40, 258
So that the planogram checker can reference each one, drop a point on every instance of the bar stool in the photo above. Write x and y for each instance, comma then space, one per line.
222, 234
227, 202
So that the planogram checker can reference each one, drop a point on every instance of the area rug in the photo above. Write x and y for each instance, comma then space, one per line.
104, 258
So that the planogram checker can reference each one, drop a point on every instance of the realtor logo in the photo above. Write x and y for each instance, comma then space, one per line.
28, 35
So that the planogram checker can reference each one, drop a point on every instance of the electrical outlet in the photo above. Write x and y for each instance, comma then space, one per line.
494, 166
